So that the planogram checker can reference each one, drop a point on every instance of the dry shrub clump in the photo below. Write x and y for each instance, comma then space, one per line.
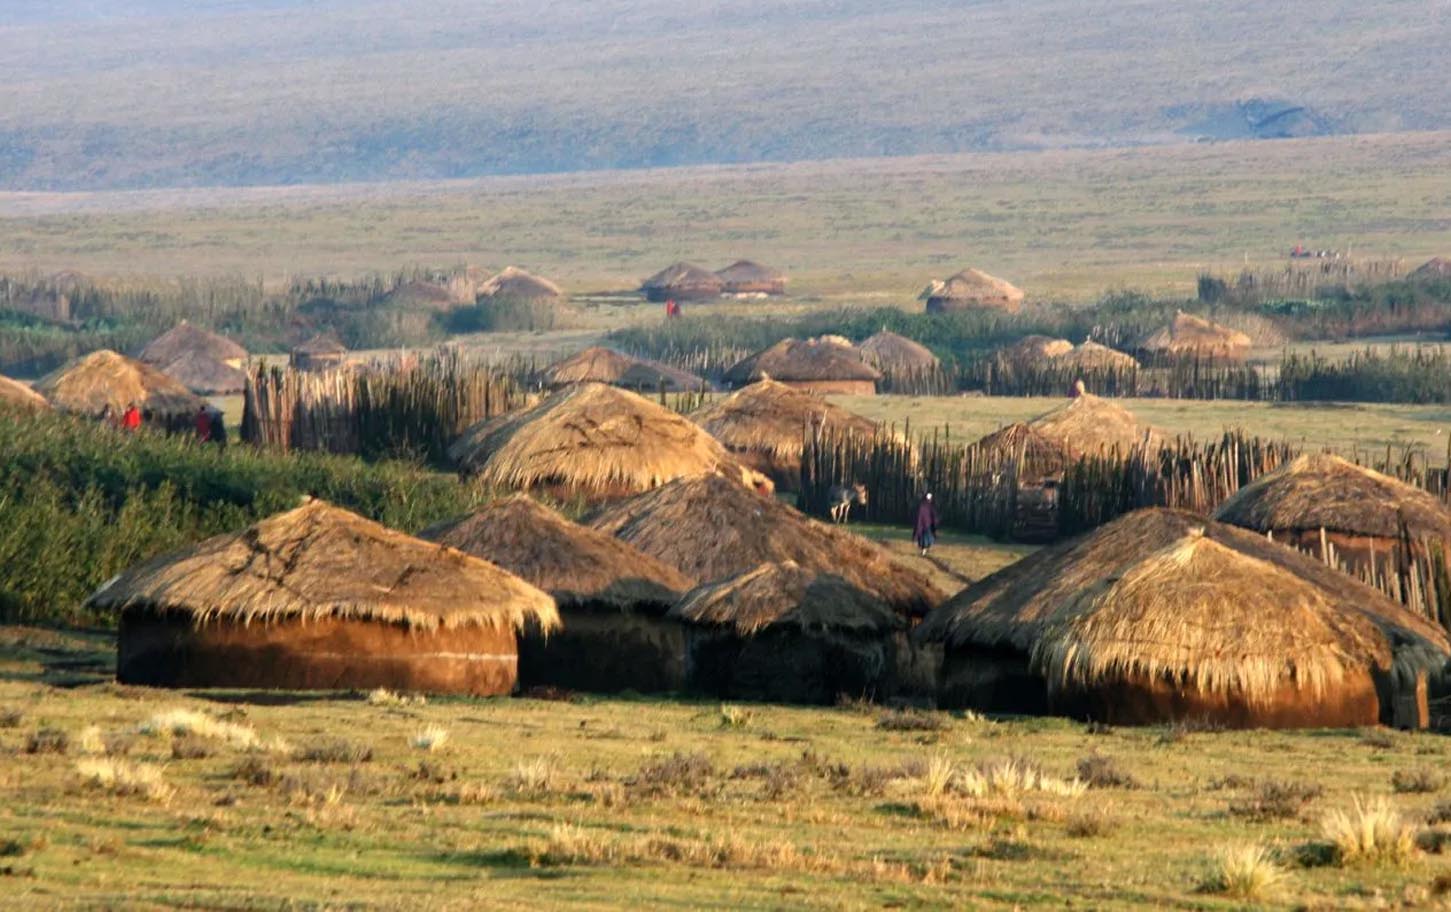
182, 722
911, 720
382, 696
430, 738
1099, 771
10, 717
533, 776
1247, 872
1274, 800
1090, 825
47, 741
1370, 831
334, 750
676, 775
1421, 781
122, 778
735, 716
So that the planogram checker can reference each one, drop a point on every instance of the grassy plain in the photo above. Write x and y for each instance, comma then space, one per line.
599, 803
1063, 224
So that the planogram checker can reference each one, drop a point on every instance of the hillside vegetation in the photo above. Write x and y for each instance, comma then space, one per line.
285, 91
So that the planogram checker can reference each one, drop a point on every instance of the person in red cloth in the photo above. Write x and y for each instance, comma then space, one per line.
131, 418
203, 425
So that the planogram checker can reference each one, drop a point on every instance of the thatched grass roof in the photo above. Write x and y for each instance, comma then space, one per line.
321, 562
1188, 334
1031, 350
785, 594
1168, 595
417, 294
598, 364
577, 565
887, 351
1434, 268
1041, 456
204, 375
792, 360
186, 339
684, 276
749, 272
771, 417
1093, 356
323, 343
709, 529
590, 438
16, 396
513, 283
974, 288
1323, 491
1089, 424
103, 378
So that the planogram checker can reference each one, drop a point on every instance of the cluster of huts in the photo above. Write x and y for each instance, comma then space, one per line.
685, 574
684, 281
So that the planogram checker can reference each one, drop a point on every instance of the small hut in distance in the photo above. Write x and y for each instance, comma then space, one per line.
1091, 356
1033, 350
1188, 335
604, 365
1087, 425
612, 598
1434, 268
823, 365
683, 282
972, 289
318, 598
747, 277
514, 284
322, 352
17, 397
185, 338
106, 380
784, 633
894, 354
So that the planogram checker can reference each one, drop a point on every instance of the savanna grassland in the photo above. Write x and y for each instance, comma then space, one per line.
122, 797
1064, 225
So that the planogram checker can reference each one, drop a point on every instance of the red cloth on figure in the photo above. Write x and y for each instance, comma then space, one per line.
131, 420
203, 426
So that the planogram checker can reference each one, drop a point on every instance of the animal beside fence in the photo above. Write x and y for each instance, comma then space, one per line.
842, 497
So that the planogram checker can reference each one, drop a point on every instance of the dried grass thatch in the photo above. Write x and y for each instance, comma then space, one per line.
319, 563
1088, 425
1163, 595
420, 295
579, 566
770, 419
598, 364
186, 339
204, 375
750, 277
1093, 356
972, 289
514, 284
825, 359
1187, 334
590, 439
1033, 350
17, 397
105, 378
1434, 268
786, 595
710, 529
1039, 456
887, 351
321, 352
1324, 491
684, 281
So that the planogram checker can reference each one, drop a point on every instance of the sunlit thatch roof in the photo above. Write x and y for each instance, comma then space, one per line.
794, 360
785, 594
598, 364
972, 288
1187, 334
16, 396
185, 339
104, 378
1089, 424
887, 351
1093, 356
773, 418
513, 283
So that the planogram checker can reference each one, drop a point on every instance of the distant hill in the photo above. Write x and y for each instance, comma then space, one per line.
237, 92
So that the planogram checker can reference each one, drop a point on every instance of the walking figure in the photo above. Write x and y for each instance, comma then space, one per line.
924, 530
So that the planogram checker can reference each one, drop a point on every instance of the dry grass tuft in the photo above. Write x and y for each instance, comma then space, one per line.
179, 722
90, 742
10, 717
676, 775
122, 778
911, 720
1099, 771
334, 750
1370, 831
382, 696
1378, 738
1274, 800
534, 776
735, 716
1247, 872
190, 747
48, 741
429, 738
1091, 825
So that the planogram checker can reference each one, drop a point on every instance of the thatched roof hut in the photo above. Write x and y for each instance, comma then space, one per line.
1088, 425
1162, 615
18, 397
1039, 457
612, 598
1370, 525
598, 364
682, 282
972, 289
709, 528
749, 277
764, 425
104, 378
784, 633
417, 294
1187, 334
185, 339
591, 440
891, 353
824, 365
514, 284
1434, 268
320, 598
1091, 356
1034, 350
204, 375
323, 351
